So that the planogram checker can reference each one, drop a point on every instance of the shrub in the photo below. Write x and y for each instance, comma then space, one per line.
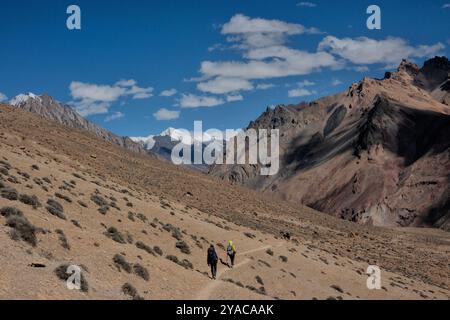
183, 246
81, 203
143, 246
10, 211
141, 271
64, 197
56, 209
22, 229
173, 259
35, 167
30, 200
63, 239
9, 193
103, 209
187, 264
337, 288
249, 235
61, 273
4, 171
131, 291
283, 258
158, 250
115, 235
24, 174
121, 263
176, 233
269, 252
259, 280
76, 223
141, 217
99, 200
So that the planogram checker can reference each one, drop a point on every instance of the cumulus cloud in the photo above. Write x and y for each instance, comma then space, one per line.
168, 93
126, 83
336, 82
364, 50
194, 101
165, 114
90, 99
114, 116
301, 90
94, 92
234, 98
222, 85
306, 4
293, 64
257, 32
264, 86
3, 97
446, 6
140, 93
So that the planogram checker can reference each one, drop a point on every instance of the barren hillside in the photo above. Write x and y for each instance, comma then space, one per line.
139, 228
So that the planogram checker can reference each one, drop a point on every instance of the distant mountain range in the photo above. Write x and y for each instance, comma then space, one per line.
377, 153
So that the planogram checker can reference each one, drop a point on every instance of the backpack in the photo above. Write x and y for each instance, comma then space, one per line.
230, 250
212, 255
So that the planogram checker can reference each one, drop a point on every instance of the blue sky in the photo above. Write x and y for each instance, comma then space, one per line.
221, 61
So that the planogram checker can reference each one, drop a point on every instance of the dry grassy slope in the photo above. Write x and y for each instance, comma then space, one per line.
323, 251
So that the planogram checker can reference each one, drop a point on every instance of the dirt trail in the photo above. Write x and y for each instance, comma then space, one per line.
206, 292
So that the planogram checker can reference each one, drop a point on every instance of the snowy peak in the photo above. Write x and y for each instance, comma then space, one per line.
23, 98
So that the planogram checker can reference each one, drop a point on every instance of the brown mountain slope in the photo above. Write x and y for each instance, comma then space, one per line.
154, 204
377, 153
47, 107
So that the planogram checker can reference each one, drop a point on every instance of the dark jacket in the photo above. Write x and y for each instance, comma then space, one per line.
212, 256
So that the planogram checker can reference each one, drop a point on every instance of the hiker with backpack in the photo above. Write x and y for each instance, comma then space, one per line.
231, 252
212, 261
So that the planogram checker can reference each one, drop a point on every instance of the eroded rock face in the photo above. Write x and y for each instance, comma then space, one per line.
378, 153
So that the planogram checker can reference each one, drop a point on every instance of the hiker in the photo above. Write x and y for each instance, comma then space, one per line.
212, 261
231, 252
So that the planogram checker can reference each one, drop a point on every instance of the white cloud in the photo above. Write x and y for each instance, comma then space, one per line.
265, 86
306, 4
288, 62
364, 50
114, 116
165, 114
257, 32
3, 97
194, 101
222, 85
126, 83
234, 98
336, 82
305, 83
300, 92
140, 93
446, 6
168, 93
361, 68
94, 92
90, 99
